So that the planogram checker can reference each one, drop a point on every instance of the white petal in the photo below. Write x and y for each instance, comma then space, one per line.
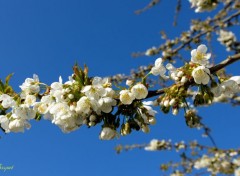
205, 80
35, 77
97, 81
155, 71
202, 48
86, 88
236, 79
208, 55
170, 67
60, 80
158, 62
193, 52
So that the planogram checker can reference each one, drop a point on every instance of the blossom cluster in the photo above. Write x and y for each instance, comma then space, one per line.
203, 5
198, 72
89, 101
227, 38
215, 161
79, 101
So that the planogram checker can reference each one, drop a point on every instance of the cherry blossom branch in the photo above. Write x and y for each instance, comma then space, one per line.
192, 158
143, 70
227, 19
214, 69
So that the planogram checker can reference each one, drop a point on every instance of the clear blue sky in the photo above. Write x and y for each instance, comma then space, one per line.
47, 37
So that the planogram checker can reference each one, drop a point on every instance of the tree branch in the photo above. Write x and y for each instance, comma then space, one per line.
228, 61
118, 78
227, 19
214, 69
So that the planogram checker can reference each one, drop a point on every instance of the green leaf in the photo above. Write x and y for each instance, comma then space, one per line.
8, 89
1, 86
8, 78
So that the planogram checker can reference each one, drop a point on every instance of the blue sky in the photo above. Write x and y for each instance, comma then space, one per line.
47, 37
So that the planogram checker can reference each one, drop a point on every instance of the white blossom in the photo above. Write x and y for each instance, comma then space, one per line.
96, 90
203, 162
139, 91
217, 91
57, 90
7, 101
158, 68
107, 134
70, 124
30, 100
236, 79
31, 85
153, 146
201, 75
199, 55
4, 121
43, 106
106, 104
85, 105
60, 111
126, 97
151, 51
175, 74
147, 113
202, 5
23, 112
226, 38
18, 125
229, 87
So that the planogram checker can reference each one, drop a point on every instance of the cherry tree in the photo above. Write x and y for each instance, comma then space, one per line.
123, 104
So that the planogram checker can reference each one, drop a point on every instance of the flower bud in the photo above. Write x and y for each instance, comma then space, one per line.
91, 123
155, 103
67, 90
152, 120
92, 118
180, 74
175, 111
184, 79
166, 103
71, 96
145, 129
172, 102
72, 107
107, 133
